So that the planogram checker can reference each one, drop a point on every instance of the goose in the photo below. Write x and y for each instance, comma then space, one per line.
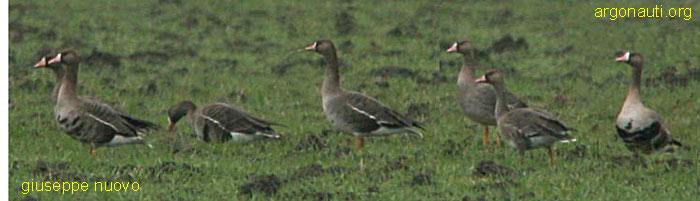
478, 100
526, 128
90, 122
354, 112
221, 122
641, 129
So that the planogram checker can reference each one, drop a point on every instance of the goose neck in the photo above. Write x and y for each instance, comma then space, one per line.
331, 83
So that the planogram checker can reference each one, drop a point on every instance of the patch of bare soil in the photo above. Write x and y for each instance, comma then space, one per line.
507, 43
313, 142
490, 168
422, 179
267, 184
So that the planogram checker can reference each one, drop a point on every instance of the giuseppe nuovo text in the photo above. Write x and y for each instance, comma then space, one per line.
72, 187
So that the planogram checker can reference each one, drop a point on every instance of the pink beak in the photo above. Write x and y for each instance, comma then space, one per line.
311, 47
620, 58
41, 63
453, 48
57, 59
480, 79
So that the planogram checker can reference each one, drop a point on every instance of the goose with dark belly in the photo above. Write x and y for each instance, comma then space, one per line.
353, 112
219, 122
478, 100
88, 121
526, 128
641, 129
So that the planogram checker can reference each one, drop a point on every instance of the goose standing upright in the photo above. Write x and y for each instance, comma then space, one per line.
221, 122
642, 129
478, 100
354, 112
91, 122
526, 128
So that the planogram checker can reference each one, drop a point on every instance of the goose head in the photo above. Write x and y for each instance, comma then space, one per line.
324, 47
463, 47
631, 58
177, 111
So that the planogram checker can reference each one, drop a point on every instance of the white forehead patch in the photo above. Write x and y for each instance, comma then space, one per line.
627, 56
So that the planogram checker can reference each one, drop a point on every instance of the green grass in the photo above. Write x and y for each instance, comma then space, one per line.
234, 46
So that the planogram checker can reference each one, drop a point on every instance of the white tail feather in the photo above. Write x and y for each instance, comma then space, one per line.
267, 135
414, 131
568, 140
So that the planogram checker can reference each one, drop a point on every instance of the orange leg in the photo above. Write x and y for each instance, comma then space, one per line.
551, 156
360, 142
93, 152
486, 134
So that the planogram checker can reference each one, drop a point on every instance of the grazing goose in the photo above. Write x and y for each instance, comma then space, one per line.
478, 100
220, 122
353, 112
88, 121
526, 128
640, 128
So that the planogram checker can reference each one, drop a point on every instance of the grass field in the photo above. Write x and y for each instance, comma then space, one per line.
147, 55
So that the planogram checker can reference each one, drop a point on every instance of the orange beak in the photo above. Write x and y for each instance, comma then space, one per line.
480, 79
452, 49
41, 63
56, 59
